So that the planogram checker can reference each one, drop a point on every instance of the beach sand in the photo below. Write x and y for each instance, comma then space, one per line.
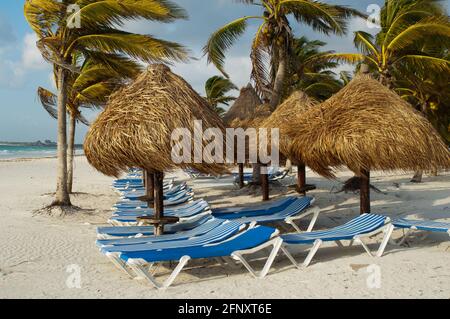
39, 255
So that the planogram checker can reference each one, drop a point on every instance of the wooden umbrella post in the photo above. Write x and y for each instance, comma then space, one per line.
159, 202
365, 191
241, 175
144, 177
265, 184
149, 188
301, 179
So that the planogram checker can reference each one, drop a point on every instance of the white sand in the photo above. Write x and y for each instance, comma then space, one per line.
36, 251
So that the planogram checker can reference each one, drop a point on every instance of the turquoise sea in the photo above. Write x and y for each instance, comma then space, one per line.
19, 151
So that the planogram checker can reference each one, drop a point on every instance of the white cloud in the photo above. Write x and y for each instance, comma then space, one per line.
13, 73
197, 72
31, 56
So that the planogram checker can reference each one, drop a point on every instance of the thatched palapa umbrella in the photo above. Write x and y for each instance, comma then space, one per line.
367, 127
243, 108
136, 127
296, 105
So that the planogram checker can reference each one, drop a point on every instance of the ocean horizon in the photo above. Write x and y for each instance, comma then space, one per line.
22, 151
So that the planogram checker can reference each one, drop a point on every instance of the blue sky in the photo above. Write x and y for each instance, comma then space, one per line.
22, 69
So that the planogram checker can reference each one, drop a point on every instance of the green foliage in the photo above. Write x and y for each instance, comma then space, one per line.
217, 89
274, 38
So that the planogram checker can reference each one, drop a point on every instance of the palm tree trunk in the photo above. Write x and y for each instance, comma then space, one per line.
280, 78
62, 197
418, 175
386, 78
71, 152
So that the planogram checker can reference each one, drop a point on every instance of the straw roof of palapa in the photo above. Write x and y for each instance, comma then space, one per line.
136, 126
367, 126
254, 120
297, 104
244, 106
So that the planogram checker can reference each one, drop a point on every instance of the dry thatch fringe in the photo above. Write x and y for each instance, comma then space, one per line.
296, 105
366, 126
135, 128
244, 106
255, 120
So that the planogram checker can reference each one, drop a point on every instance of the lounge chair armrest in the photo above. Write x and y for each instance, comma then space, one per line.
314, 211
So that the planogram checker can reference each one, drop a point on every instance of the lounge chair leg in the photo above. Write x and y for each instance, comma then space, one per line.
403, 240
339, 243
231, 263
119, 263
315, 211
308, 258
276, 243
366, 248
387, 230
285, 250
312, 252
138, 266
387, 236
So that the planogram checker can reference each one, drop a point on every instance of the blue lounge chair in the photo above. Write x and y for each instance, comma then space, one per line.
273, 176
289, 213
175, 209
127, 184
223, 231
178, 199
258, 208
417, 225
136, 231
136, 194
197, 231
131, 188
248, 242
188, 211
270, 208
364, 226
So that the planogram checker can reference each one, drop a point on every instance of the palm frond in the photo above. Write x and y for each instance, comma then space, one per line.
113, 13
48, 101
320, 16
221, 40
437, 27
141, 47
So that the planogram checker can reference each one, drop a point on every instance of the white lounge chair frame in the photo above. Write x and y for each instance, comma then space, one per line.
408, 233
313, 210
387, 230
141, 269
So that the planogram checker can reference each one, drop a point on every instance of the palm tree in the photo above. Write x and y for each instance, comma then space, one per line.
88, 89
311, 70
405, 26
427, 91
217, 89
273, 42
62, 44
